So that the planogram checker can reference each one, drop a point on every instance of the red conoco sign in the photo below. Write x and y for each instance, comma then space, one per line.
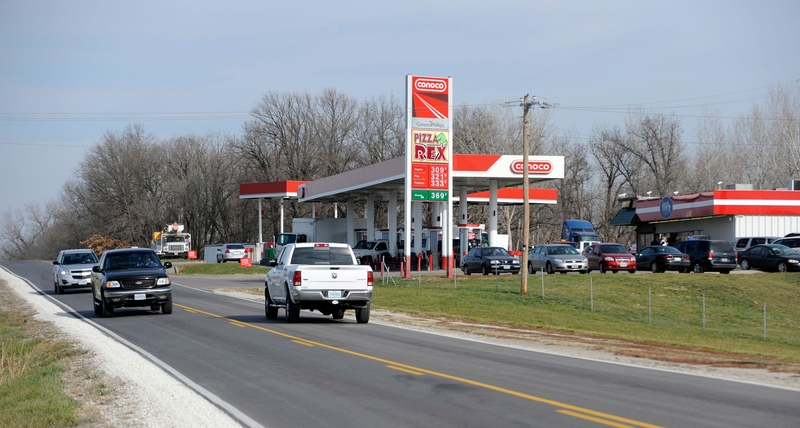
534, 167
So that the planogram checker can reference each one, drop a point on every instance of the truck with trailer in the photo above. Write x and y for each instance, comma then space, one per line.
580, 232
171, 242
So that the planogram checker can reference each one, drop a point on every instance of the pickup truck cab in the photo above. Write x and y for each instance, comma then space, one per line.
325, 277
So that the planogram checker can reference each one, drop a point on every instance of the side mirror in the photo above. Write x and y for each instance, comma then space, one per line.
55, 262
167, 265
96, 268
273, 263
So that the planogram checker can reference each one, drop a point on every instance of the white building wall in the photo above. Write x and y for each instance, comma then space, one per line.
766, 225
720, 228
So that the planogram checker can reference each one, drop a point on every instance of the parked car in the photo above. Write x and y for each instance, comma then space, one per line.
556, 258
747, 242
661, 258
73, 269
791, 242
610, 257
369, 252
706, 255
131, 277
489, 260
770, 257
230, 252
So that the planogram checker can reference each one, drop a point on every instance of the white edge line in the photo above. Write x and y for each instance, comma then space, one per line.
233, 411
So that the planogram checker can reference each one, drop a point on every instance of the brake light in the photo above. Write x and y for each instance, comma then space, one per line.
710, 255
297, 280
370, 279
321, 245
227, 251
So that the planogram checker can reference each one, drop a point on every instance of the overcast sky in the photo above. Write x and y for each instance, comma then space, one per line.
72, 70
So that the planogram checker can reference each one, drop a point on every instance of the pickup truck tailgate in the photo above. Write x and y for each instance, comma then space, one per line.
334, 277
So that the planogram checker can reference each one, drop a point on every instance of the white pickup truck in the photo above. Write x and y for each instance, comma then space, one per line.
318, 276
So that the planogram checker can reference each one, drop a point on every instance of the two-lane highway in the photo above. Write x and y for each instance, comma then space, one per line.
321, 372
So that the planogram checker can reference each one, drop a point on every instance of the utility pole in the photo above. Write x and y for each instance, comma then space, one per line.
526, 104
526, 232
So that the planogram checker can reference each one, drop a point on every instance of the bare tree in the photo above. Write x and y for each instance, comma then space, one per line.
656, 141
380, 133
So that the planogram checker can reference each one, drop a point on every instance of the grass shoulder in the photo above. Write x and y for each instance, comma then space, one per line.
687, 313
220, 269
32, 366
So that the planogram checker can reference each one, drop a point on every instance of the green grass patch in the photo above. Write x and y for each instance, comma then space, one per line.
709, 311
221, 269
31, 384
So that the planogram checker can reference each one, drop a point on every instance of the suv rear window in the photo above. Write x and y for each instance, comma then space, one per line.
721, 246
235, 247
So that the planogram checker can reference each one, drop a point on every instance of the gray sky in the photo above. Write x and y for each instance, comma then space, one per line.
70, 71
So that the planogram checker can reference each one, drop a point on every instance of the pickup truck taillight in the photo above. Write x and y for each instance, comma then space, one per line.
370, 280
297, 280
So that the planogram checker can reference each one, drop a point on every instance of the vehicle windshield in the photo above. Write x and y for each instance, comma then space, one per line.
174, 238
360, 245
613, 249
495, 251
561, 250
79, 259
235, 247
783, 251
131, 260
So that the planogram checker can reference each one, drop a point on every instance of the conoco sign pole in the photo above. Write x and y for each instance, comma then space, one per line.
526, 231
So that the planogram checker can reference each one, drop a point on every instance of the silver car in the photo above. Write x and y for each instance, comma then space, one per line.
557, 258
73, 269
231, 252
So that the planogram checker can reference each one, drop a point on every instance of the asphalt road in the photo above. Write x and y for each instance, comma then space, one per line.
321, 372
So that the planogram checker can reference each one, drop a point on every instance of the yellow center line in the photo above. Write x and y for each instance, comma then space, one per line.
404, 370
303, 342
397, 365
593, 419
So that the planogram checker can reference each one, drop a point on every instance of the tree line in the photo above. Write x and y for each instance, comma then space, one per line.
131, 184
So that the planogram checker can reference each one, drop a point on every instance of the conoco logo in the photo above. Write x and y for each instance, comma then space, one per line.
431, 85
534, 167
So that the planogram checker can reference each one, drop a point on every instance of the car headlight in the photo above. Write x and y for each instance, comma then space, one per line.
558, 260
794, 261
63, 272
515, 261
494, 262
112, 284
162, 281
608, 259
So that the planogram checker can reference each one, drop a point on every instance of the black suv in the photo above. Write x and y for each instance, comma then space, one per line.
131, 277
709, 255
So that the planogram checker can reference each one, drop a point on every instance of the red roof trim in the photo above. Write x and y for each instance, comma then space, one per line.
464, 162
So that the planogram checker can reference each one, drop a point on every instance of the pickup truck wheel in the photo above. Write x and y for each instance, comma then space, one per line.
105, 309
166, 308
269, 310
292, 310
362, 315
338, 314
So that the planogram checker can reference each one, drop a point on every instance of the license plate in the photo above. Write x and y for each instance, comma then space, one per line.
677, 259
335, 294
623, 265
506, 267
724, 260
139, 296
83, 282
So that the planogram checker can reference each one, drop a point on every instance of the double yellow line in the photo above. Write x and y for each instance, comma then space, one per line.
565, 409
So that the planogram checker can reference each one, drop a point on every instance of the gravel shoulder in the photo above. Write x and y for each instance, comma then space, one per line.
115, 385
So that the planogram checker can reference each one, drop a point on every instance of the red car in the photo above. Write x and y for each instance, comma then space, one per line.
610, 257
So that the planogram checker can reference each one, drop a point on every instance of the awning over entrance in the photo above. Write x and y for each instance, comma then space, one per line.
625, 217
